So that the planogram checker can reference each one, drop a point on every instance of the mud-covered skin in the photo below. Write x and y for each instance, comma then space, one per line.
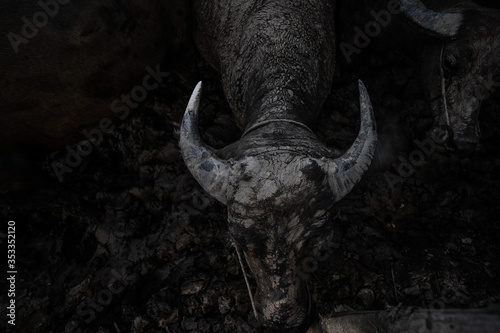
279, 182
68, 74
278, 221
274, 56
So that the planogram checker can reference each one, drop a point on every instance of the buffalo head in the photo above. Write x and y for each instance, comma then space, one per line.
278, 182
459, 66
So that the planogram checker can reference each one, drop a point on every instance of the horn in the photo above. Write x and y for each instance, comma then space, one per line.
445, 25
211, 172
346, 171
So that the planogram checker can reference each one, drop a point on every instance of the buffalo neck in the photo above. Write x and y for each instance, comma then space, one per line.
276, 60
278, 137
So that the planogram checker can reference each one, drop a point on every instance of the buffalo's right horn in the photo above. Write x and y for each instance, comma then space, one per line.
211, 172
445, 25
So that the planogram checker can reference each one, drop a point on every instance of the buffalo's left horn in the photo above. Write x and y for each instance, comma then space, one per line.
346, 171
211, 172
445, 25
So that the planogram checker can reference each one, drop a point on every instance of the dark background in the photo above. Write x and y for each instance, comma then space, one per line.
129, 242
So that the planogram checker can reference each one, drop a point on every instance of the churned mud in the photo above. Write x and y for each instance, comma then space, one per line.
129, 242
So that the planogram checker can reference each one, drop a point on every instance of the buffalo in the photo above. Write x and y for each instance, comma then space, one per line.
67, 66
278, 181
456, 45
460, 66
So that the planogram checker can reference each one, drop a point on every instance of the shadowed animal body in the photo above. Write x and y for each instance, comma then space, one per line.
457, 45
276, 60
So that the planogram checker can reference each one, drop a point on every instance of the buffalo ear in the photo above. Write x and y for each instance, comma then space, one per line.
443, 25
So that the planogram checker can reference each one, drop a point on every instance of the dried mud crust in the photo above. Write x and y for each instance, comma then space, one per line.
129, 242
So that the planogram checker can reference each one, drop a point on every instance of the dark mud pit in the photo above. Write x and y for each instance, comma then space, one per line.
129, 242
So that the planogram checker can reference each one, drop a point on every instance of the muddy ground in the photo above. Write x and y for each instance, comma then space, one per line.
129, 242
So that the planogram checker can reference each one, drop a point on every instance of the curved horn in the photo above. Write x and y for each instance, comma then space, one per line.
211, 172
346, 171
435, 23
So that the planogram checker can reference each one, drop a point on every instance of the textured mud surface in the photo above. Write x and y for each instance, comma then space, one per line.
129, 242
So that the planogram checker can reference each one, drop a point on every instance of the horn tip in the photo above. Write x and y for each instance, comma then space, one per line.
199, 85
364, 97
197, 91
367, 113
361, 86
194, 100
